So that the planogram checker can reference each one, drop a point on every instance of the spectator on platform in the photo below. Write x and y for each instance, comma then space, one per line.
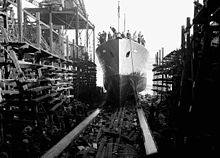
139, 37
118, 35
142, 40
114, 32
109, 36
100, 38
122, 35
128, 35
113, 29
104, 35
135, 36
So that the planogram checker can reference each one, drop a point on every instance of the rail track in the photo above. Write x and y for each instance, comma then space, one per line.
111, 133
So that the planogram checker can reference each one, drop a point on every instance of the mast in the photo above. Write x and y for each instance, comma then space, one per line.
124, 23
118, 16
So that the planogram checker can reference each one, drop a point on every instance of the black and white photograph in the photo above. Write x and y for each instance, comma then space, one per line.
109, 78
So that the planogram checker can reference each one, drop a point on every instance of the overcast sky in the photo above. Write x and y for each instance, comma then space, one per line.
159, 21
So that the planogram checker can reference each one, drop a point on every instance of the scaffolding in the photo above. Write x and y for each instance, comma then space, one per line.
43, 72
189, 78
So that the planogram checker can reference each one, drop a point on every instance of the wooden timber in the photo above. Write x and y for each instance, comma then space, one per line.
149, 142
63, 143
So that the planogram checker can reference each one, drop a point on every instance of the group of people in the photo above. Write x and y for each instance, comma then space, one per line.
103, 36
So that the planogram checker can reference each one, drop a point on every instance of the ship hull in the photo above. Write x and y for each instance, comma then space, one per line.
123, 62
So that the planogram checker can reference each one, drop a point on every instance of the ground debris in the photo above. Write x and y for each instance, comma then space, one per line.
111, 135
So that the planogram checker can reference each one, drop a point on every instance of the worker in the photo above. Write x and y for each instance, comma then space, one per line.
109, 35
135, 36
122, 35
139, 37
100, 38
114, 32
142, 40
104, 35
128, 35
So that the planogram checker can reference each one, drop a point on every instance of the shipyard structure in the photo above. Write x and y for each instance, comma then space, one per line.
43, 71
51, 107
186, 84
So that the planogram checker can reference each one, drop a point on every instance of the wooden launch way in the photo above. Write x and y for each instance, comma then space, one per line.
149, 143
117, 121
63, 143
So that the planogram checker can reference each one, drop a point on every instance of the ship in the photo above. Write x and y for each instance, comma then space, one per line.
123, 62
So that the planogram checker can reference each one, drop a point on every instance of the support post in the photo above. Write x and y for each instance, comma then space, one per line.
6, 21
182, 44
20, 28
87, 34
38, 30
73, 51
61, 42
159, 57
51, 30
77, 50
163, 88
94, 44
77, 32
67, 47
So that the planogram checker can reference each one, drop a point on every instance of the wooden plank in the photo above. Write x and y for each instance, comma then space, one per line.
110, 147
99, 134
39, 99
38, 89
7, 80
64, 88
54, 94
101, 151
69, 96
63, 143
85, 155
149, 143
56, 106
10, 92
30, 65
